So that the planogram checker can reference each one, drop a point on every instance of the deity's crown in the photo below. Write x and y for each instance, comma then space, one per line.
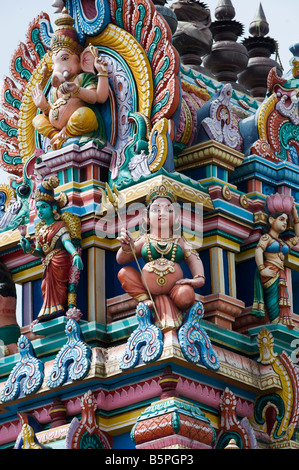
161, 190
45, 192
65, 35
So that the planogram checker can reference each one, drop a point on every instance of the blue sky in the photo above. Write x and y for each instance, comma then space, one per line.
282, 17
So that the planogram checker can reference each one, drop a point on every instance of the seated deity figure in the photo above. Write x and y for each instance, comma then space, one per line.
76, 89
270, 284
161, 283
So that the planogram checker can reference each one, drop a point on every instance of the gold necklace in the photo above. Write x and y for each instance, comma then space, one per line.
162, 251
43, 233
161, 266
58, 103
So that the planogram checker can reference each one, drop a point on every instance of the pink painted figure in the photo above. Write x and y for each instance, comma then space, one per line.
270, 284
70, 110
161, 281
9, 328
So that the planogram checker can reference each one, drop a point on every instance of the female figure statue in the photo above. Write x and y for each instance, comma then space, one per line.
54, 245
270, 286
161, 281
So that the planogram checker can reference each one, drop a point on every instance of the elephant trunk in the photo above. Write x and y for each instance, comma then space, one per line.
58, 78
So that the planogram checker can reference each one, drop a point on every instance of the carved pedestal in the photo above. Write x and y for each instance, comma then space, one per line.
222, 309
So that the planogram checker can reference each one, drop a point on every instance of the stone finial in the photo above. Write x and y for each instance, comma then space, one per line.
193, 38
225, 10
228, 57
260, 47
259, 25
232, 445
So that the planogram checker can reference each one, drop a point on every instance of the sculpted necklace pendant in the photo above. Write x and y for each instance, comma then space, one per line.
43, 237
162, 266
58, 103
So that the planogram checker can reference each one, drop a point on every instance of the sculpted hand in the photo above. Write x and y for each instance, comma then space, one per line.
294, 212
25, 245
125, 239
39, 98
268, 272
100, 65
195, 283
69, 87
77, 261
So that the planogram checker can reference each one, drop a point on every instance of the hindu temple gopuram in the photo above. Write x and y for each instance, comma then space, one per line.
149, 231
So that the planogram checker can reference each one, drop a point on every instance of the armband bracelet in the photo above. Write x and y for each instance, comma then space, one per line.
261, 267
75, 254
44, 110
127, 252
296, 221
104, 74
75, 93
198, 276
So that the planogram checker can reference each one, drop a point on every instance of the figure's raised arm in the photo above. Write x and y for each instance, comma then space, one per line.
103, 84
39, 98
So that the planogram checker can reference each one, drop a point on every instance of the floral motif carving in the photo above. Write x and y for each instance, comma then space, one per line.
27, 375
145, 342
73, 360
86, 434
194, 341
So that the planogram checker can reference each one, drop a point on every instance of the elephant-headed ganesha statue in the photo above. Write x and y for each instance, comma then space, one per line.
79, 82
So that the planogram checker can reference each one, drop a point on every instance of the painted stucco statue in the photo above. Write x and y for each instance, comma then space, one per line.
57, 236
270, 284
273, 132
161, 285
9, 328
79, 82
19, 201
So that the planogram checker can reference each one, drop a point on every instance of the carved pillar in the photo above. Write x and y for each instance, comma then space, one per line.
57, 413
172, 422
96, 285
222, 306
217, 277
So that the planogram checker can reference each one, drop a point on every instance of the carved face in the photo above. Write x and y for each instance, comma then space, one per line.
162, 216
65, 67
280, 223
44, 211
